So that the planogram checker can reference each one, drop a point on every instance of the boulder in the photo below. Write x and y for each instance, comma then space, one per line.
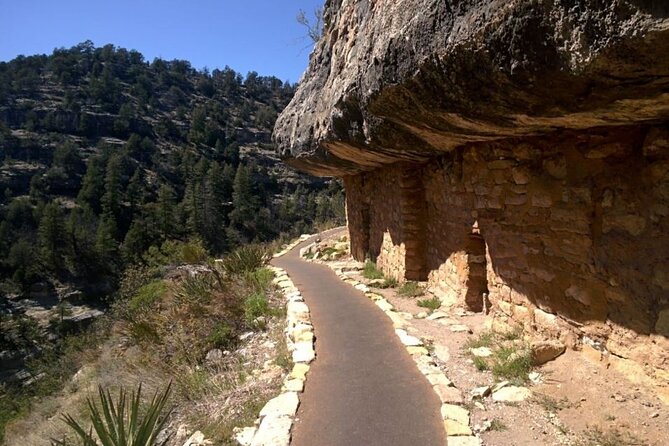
244, 436
544, 351
456, 428
463, 441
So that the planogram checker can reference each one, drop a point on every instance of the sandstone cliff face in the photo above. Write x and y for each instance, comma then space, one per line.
404, 79
508, 152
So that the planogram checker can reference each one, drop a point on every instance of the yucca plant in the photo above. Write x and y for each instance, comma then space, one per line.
121, 423
245, 259
197, 288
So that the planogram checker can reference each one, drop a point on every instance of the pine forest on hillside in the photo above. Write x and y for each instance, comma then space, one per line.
106, 157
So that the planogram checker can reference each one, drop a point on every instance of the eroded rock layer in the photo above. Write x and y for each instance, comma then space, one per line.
514, 154
403, 80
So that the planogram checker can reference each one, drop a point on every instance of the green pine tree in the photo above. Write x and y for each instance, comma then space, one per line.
244, 205
52, 237
93, 185
165, 207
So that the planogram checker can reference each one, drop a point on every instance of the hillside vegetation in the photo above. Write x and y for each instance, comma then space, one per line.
211, 331
105, 155
111, 165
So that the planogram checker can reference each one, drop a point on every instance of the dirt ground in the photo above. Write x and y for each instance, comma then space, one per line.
576, 400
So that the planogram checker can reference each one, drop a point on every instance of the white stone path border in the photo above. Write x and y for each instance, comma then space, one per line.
456, 418
276, 417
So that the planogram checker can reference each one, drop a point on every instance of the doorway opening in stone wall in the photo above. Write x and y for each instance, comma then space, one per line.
477, 282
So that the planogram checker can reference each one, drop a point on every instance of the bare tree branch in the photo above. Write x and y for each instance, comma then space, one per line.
315, 27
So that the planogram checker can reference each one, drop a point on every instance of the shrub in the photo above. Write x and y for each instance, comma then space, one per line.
222, 336
193, 252
255, 305
147, 295
498, 425
512, 363
260, 280
484, 339
143, 332
165, 254
411, 289
509, 360
389, 282
134, 277
121, 422
480, 364
328, 251
615, 437
431, 304
245, 259
370, 271
283, 357
174, 252
18, 331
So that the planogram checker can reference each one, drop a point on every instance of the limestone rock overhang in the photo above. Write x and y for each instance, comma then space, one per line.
407, 80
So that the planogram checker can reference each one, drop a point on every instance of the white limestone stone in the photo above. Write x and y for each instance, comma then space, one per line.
362, 287
513, 394
304, 352
244, 436
442, 352
463, 441
282, 405
297, 311
436, 315
456, 413
460, 328
438, 378
293, 385
481, 352
407, 339
299, 371
384, 305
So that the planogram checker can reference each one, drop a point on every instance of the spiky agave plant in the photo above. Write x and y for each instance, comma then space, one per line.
120, 423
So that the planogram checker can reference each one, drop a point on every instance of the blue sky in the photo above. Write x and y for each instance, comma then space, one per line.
260, 35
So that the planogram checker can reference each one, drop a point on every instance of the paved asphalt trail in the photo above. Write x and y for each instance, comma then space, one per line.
363, 388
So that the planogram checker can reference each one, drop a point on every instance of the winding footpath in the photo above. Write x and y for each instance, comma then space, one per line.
363, 388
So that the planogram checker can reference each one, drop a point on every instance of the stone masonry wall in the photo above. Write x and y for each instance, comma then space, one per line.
375, 199
571, 230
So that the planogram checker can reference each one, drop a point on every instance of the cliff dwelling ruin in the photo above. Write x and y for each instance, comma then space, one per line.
514, 155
